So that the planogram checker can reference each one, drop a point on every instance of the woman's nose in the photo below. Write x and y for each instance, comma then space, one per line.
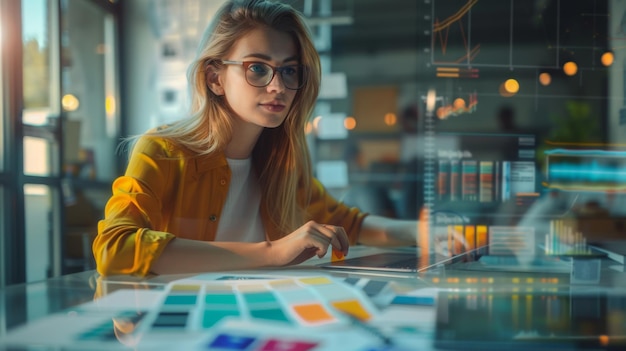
276, 84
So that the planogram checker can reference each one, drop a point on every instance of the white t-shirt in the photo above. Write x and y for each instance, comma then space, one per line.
241, 216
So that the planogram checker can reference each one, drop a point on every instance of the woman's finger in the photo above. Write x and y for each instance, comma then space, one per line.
339, 238
322, 242
342, 236
322, 237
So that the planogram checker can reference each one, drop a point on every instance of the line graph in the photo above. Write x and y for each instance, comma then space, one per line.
441, 34
505, 33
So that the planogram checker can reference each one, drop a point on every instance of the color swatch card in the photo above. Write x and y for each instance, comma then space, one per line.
203, 302
221, 312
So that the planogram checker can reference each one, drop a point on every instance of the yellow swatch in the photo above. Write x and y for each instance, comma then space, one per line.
283, 284
315, 280
181, 287
352, 307
251, 288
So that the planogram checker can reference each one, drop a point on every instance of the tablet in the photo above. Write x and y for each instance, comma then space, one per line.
396, 262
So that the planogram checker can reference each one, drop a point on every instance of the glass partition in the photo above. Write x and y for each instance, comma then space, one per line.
520, 130
501, 122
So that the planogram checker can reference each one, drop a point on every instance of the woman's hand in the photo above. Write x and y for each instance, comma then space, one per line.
307, 241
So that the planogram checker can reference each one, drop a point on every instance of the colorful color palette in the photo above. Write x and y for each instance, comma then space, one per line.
294, 301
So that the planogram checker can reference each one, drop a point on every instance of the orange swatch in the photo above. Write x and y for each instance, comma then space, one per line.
313, 313
336, 256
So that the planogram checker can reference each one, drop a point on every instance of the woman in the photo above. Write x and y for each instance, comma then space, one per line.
230, 187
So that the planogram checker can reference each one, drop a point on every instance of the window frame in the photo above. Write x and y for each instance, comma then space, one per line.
13, 256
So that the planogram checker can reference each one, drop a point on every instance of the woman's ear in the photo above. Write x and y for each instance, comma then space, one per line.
213, 81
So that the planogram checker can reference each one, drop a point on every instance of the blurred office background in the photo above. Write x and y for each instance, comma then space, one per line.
415, 94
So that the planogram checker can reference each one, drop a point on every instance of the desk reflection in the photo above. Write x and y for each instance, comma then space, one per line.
455, 306
531, 320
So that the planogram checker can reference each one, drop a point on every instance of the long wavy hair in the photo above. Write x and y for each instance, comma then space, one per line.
281, 157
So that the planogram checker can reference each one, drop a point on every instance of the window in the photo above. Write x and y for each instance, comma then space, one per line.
59, 124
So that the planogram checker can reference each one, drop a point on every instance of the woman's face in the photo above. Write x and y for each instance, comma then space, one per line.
264, 107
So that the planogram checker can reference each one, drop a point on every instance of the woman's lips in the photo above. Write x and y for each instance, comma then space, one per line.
273, 107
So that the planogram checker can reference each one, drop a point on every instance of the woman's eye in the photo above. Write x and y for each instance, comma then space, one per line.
290, 70
258, 68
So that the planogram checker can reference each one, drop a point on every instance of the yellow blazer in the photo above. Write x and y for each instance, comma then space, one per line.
169, 192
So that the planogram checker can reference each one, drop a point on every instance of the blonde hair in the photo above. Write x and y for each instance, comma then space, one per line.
281, 156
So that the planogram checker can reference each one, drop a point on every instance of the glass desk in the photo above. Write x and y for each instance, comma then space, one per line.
463, 305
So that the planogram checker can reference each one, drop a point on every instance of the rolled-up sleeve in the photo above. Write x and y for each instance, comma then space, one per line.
127, 242
324, 208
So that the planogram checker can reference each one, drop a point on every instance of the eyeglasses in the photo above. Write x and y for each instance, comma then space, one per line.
259, 74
